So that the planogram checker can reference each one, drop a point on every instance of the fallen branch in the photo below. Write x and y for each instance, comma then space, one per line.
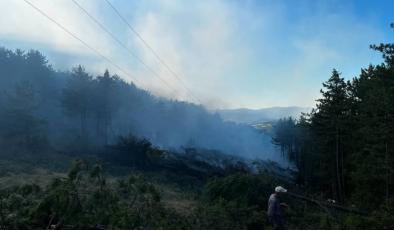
335, 207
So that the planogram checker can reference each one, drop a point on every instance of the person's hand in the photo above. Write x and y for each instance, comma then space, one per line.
275, 226
283, 204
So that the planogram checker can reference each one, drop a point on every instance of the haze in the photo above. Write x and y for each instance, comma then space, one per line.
231, 54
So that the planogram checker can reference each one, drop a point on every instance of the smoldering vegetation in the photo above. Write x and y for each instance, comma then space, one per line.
78, 113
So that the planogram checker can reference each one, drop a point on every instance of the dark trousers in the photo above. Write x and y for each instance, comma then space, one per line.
279, 222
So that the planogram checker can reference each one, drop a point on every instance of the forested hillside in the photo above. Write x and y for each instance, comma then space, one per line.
76, 110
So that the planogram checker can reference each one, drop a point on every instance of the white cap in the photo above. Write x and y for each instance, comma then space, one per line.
280, 189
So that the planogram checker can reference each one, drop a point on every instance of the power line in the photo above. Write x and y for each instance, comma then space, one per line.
153, 51
96, 51
127, 48
89, 47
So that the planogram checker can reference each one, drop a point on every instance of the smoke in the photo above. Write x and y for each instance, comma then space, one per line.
168, 124
181, 125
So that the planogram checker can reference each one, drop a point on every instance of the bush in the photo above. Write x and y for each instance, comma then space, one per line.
381, 219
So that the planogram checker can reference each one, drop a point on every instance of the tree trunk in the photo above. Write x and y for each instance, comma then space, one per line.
28, 136
334, 188
61, 116
337, 164
335, 207
386, 152
97, 127
343, 176
387, 177
105, 130
83, 119
106, 126
82, 128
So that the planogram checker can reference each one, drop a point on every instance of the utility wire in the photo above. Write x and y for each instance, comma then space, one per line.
127, 48
96, 51
90, 47
153, 51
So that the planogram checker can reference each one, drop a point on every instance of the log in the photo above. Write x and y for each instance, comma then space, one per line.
335, 207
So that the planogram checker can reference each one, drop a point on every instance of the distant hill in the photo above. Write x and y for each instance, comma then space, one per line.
250, 116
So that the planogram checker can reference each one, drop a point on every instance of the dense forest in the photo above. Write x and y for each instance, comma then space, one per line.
345, 146
343, 150
77, 110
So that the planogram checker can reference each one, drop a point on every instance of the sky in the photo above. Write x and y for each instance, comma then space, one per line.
229, 53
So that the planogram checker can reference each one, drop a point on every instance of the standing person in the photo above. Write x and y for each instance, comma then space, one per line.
274, 208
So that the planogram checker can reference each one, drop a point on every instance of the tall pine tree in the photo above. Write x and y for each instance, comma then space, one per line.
106, 102
77, 96
329, 127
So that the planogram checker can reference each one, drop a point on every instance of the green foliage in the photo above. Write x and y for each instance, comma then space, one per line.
239, 201
382, 218
286, 138
133, 151
15, 205
83, 199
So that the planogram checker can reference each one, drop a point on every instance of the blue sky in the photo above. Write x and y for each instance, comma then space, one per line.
230, 53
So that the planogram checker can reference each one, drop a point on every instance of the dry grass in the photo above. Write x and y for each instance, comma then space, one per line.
178, 201
19, 168
39, 176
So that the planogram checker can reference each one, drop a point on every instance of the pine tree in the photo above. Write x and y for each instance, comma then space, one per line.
77, 96
329, 126
306, 148
20, 119
373, 176
106, 102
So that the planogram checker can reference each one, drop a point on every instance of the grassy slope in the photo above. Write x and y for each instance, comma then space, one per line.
17, 168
